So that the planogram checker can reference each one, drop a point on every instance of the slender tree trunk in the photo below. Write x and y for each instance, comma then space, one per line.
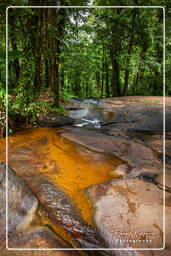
140, 70
97, 80
47, 73
62, 80
87, 89
127, 70
158, 87
114, 52
103, 73
130, 47
16, 60
38, 80
102, 81
68, 84
107, 80
15, 49
115, 65
115, 78
54, 44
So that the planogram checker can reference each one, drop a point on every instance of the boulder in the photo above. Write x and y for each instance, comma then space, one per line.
5, 252
138, 114
36, 237
122, 170
54, 120
129, 213
133, 153
25, 229
61, 211
22, 204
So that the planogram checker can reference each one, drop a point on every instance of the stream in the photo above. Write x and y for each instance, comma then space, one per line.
90, 178
91, 114
58, 171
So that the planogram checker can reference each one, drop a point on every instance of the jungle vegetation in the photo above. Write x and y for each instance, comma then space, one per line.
81, 52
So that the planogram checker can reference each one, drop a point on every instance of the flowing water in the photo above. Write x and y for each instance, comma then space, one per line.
91, 114
58, 171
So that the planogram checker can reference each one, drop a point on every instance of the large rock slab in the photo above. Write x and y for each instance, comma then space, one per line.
25, 229
54, 120
5, 252
22, 204
129, 213
139, 114
133, 153
36, 237
62, 212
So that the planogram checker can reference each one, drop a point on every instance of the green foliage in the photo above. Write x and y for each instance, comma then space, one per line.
22, 103
82, 53
2, 97
2, 105
66, 95
43, 107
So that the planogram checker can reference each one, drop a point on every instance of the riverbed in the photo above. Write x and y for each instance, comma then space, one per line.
70, 169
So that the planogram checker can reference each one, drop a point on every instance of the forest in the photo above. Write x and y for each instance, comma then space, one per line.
64, 53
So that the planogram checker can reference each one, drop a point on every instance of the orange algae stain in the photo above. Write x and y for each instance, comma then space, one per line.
75, 166
78, 168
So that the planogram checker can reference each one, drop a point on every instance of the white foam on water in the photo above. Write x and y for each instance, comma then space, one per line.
95, 122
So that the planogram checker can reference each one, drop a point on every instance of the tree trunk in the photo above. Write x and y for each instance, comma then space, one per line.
115, 78
107, 80
130, 47
102, 81
54, 47
16, 60
127, 70
140, 70
115, 81
15, 49
98, 80
38, 80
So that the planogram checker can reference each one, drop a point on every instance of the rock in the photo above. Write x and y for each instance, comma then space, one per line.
22, 204
54, 120
6, 252
129, 213
29, 161
62, 212
153, 170
139, 114
114, 132
74, 104
22, 212
36, 237
133, 153
122, 170
160, 181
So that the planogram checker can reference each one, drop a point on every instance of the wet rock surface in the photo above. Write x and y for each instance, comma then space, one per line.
33, 158
24, 230
36, 237
60, 210
22, 204
139, 114
135, 154
129, 213
137, 127
113, 161
54, 120
5, 252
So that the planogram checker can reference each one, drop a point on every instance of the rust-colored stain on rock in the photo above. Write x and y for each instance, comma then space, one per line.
71, 166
